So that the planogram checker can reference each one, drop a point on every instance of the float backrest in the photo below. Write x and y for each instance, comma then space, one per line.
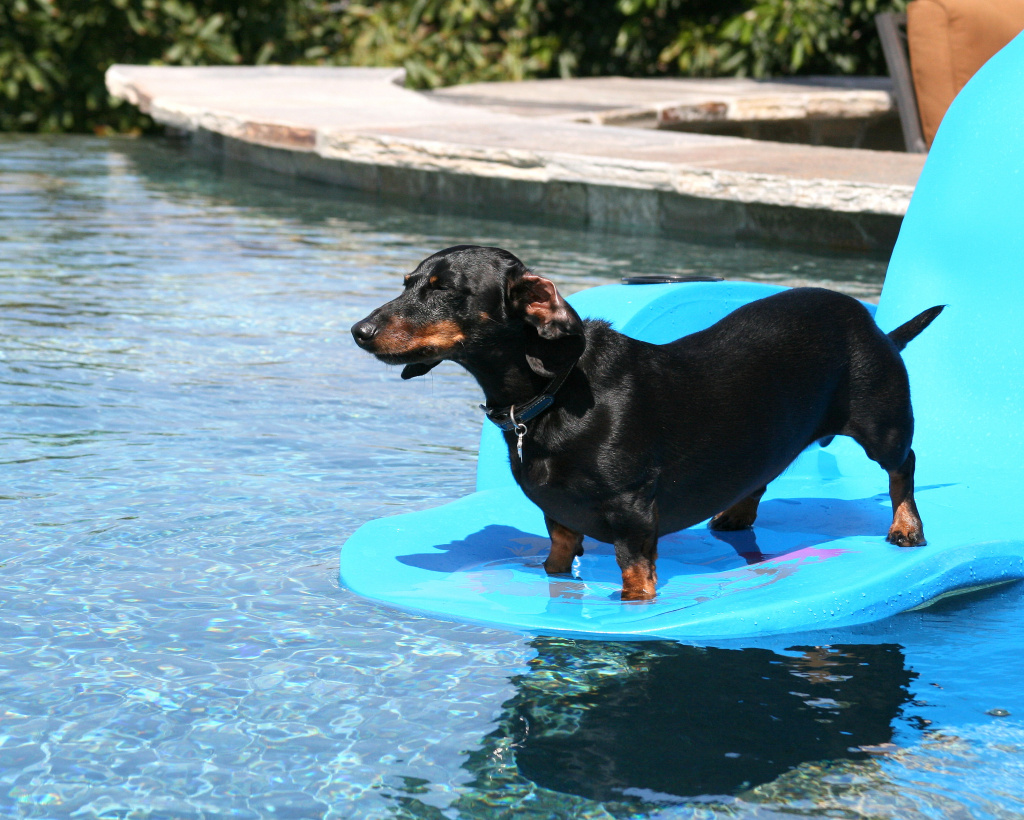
962, 245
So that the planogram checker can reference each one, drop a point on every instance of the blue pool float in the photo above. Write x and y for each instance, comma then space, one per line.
816, 558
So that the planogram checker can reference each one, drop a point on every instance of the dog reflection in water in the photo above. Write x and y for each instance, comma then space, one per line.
663, 721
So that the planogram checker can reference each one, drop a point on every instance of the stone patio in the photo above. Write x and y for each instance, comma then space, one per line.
543, 149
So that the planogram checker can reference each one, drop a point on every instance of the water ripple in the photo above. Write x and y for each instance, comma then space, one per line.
189, 435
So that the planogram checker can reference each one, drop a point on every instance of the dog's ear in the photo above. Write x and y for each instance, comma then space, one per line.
411, 371
540, 304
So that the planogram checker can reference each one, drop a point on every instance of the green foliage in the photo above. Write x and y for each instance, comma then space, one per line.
759, 38
775, 37
53, 53
440, 42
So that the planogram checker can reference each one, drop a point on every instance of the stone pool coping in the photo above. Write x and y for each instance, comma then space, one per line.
669, 103
359, 128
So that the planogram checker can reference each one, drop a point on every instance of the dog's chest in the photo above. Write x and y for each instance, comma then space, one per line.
568, 493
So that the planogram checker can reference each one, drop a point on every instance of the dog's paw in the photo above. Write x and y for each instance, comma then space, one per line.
641, 594
906, 538
639, 582
730, 521
554, 567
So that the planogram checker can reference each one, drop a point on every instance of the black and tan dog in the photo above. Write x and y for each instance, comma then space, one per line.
625, 441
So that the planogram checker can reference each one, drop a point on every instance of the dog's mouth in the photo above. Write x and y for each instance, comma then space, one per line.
411, 357
415, 363
400, 342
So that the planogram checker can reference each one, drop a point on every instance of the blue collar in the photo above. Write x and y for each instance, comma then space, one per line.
512, 417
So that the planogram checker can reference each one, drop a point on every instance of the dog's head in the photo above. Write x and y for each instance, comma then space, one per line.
467, 299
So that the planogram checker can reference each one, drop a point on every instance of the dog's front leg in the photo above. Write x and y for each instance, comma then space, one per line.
636, 554
566, 544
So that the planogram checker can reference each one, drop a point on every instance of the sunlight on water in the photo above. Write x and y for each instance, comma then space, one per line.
188, 437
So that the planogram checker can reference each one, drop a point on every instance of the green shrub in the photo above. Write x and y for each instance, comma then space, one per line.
776, 37
53, 53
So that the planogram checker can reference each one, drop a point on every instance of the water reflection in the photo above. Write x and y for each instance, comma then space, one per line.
574, 258
661, 722
188, 438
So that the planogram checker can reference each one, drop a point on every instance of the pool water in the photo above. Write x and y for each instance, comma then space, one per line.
189, 434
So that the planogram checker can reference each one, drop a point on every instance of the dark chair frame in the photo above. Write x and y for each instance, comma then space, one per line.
892, 30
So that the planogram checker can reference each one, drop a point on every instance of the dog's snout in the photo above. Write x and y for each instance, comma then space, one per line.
363, 332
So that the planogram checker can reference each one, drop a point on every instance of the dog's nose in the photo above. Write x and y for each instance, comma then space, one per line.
363, 332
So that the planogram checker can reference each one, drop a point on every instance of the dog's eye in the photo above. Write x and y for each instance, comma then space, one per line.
436, 284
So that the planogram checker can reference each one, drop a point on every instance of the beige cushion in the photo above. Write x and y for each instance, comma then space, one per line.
948, 41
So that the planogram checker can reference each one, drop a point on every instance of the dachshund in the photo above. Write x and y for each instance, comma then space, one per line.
625, 441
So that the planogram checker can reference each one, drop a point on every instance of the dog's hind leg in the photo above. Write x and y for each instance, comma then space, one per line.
740, 515
907, 529
889, 445
881, 420
566, 544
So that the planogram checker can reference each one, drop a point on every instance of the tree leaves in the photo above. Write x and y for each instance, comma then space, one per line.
53, 53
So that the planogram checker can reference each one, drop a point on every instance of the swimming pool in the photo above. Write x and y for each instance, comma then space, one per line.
189, 435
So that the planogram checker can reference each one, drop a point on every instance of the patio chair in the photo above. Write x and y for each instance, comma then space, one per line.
948, 41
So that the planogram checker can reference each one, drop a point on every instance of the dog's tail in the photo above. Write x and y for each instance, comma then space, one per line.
903, 335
